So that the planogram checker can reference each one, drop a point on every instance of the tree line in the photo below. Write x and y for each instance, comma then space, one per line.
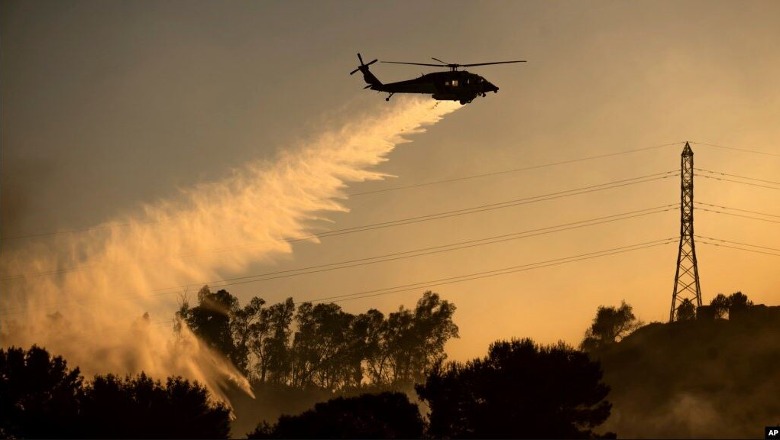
519, 389
41, 397
321, 345
611, 324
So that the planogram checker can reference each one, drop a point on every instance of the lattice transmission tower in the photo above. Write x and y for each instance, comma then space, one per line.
686, 278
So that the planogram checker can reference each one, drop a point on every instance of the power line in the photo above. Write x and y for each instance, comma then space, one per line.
737, 209
737, 181
429, 217
716, 176
744, 150
383, 190
431, 250
738, 215
739, 243
456, 179
509, 171
493, 273
737, 176
498, 205
727, 244
415, 252
529, 266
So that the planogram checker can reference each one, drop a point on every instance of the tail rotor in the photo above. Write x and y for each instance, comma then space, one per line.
362, 65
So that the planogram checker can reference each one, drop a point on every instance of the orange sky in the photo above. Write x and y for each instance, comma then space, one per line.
110, 105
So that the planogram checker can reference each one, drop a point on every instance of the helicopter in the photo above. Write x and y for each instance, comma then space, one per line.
452, 85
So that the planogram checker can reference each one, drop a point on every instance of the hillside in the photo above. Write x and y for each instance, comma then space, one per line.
704, 379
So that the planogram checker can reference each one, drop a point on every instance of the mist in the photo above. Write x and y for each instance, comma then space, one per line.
104, 298
700, 379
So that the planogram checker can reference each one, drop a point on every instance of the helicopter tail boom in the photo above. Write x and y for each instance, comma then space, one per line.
372, 81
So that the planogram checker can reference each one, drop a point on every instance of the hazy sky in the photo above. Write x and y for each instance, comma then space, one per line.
109, 105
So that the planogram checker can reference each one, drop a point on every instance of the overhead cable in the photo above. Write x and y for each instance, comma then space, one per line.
492, 273
431, 250
744, 150
510, 171
224, 282
737, 209
423, 218
733, 245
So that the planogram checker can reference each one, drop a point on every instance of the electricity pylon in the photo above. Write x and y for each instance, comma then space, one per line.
686, 278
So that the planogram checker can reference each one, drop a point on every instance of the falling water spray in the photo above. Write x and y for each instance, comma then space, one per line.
93, 297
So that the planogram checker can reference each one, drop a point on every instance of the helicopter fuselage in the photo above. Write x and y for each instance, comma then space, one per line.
452, 85
459, 85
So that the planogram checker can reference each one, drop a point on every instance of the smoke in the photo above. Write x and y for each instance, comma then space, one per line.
700, 379
86, 296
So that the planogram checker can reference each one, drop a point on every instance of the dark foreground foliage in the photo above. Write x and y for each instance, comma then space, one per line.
139, 407
40, 397
385, 415
519, 390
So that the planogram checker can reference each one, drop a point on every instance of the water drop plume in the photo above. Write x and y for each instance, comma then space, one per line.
86, 296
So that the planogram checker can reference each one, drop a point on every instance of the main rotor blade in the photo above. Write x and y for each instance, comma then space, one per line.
414, 64
495, 62
439, 60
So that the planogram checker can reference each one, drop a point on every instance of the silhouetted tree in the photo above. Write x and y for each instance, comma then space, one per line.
519, 390
254, 337
723, 304
609, 326
210, 320
275, 348
39, 395
686, 311
386, 415
363, 346
41, 398
414, 340
371, 327
330, 349
245, 324
139, 407
400, 345
739, 300
321, 344
720, 304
